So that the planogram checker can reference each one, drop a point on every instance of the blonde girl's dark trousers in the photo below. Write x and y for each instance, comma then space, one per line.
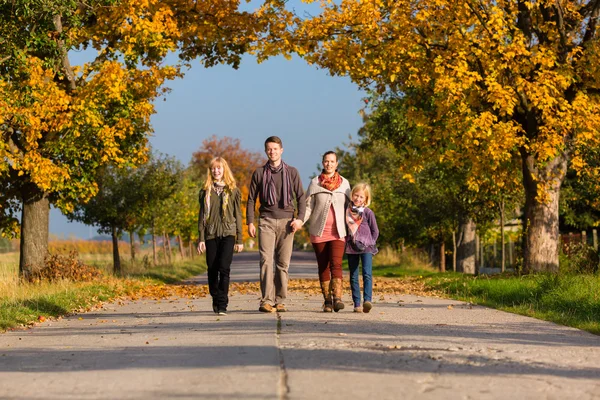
219, 254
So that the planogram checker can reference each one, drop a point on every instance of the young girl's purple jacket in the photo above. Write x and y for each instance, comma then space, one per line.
368, 232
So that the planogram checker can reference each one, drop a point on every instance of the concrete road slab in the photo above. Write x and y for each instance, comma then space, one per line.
407, 347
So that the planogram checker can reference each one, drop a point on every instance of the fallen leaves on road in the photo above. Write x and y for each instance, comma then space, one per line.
381, 286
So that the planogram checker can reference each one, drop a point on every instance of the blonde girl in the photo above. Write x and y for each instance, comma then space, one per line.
361, 244
220, 229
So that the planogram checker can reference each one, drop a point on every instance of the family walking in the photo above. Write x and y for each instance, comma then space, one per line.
339, 219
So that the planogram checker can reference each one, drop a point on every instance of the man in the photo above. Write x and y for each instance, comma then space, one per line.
278, 185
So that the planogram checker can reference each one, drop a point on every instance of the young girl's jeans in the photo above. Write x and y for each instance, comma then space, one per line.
367, 273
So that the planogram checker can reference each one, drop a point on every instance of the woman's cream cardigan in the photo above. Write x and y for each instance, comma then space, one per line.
318, 201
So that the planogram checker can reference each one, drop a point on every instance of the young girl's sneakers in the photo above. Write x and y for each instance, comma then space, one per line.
358, 309
367, 306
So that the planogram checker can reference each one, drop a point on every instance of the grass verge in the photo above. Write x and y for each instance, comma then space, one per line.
22, 304
566, 299
572, 300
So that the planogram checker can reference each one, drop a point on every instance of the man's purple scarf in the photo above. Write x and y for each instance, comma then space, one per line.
268, 184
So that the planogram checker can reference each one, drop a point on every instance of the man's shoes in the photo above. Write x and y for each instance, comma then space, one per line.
222, 312
367, 306
266, 308
215, 308
280, 308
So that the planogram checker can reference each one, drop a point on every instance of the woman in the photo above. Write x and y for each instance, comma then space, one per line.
326, 201
219, 225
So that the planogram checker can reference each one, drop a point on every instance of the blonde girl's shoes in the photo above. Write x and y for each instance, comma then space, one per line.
367, 306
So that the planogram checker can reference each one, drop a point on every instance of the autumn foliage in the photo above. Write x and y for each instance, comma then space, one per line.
485, 82
61, 122
242, 162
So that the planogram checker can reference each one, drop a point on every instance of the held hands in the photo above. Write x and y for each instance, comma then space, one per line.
296, 224
251, 230
202, 247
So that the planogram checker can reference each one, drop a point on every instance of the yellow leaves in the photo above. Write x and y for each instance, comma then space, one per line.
409, 177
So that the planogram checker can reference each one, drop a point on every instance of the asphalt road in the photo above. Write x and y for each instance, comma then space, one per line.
408, 347
245, 267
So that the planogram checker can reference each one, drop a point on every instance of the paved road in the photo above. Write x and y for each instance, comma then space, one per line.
245, 267
407, 348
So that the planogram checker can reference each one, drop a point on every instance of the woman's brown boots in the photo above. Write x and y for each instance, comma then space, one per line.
326, 290
336, 284
332, 287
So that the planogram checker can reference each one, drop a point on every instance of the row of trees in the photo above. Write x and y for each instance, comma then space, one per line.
62, 126
160, 197
485, 85
491, 89
432, 203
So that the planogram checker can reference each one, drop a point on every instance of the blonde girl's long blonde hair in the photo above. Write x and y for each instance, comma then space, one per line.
227, 175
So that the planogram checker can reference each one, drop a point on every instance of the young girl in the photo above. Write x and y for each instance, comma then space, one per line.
219, 224
360, 244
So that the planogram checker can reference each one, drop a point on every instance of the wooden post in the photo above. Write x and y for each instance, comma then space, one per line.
477, 255
154, 255
495, 250
442, 256
570, 239
510, 251
192, 249
164, 246
180, 242
584, 237
168, 243
482, 257
595, 238
502, 258
454, 251
431, 253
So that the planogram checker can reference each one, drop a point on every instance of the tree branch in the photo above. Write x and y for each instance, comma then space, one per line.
66, 65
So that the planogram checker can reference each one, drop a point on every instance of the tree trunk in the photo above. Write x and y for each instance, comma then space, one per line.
466, 251
181, 250
116, 258
132, 245
442, 256
503, 251
35, 219
154, 256
542, 191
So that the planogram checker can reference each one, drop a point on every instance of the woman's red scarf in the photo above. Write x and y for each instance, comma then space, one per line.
330, 183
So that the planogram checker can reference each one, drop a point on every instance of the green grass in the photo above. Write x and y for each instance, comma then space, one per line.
21, 303
566, 299
572, 300
390, 264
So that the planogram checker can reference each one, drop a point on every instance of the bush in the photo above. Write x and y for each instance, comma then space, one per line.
58, 267
578, 258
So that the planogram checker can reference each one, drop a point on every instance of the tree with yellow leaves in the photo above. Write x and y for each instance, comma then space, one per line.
59, 123
504, 78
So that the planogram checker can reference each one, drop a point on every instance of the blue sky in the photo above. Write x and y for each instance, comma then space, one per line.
310, 110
